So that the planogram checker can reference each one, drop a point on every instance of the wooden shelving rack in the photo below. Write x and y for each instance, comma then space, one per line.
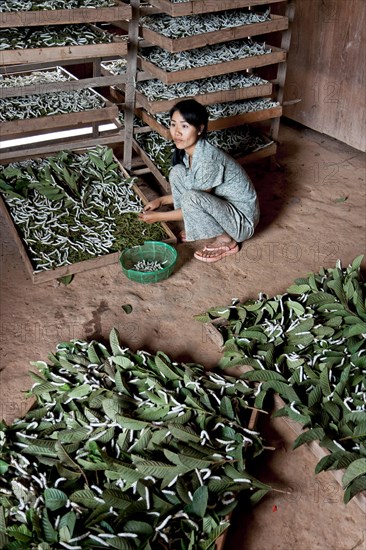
276, 56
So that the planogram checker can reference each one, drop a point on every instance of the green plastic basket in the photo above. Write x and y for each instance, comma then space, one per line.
150, 251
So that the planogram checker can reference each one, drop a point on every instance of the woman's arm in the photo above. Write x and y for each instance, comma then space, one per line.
149, 216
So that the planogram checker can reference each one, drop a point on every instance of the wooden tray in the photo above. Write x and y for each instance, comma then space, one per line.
277, 55
65, 16
40, 125
64, 53
52, 123
319, 452
79, 267
277, 23
205, 6
221, 96
219, 124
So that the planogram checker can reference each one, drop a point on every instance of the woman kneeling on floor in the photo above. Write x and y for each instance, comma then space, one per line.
211, 192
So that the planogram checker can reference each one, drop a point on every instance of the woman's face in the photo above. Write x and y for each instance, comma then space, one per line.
184, 135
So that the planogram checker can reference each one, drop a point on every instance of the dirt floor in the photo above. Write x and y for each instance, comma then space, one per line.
313, 212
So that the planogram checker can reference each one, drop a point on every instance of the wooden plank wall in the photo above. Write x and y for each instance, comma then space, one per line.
326, 68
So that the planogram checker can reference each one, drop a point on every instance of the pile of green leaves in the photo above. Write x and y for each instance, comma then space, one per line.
308, 345
125, 450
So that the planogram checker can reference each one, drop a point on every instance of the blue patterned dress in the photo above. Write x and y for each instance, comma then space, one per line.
231, 205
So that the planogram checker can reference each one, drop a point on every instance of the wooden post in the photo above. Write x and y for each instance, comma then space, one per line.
133, 31
282, 67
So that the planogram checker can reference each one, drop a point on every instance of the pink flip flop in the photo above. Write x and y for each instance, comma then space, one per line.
223, 250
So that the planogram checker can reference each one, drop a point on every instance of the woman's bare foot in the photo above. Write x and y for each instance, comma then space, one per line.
217, 250
182, 236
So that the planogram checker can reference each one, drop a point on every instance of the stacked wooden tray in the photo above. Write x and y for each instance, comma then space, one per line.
65, 16
268, 148
54, 54
273, 55
277, 23
221, 96
46, 124
219, 124
166, 67
204, 6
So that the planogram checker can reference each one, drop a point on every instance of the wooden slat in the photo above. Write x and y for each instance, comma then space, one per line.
205, 6
276, 56
221, 96
263, 153
277, 23
79, 267
131, 70
65, 16
61, 53
282, 67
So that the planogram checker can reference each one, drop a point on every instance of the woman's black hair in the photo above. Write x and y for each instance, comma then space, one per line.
194, 113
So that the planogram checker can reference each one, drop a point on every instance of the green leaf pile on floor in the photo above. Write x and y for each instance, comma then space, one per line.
125, 450
308, 345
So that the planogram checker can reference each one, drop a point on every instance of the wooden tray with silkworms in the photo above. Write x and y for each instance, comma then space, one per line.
245, 112
107, 11
73, 212
185, 33
191, 7
32, 115
157, 97
209, 61
244, 143
58, 43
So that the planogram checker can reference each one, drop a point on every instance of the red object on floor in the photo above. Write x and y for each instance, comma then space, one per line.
274, 508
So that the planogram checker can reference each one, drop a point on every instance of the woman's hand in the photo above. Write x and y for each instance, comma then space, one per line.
154, 205
151, 217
